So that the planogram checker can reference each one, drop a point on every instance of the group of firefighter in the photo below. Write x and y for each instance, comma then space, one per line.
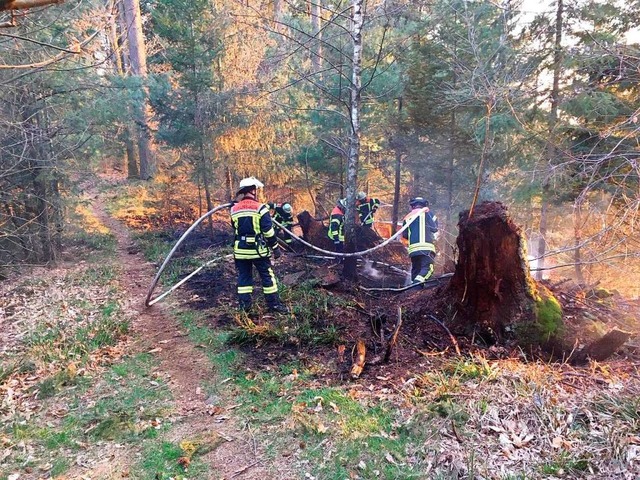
256, 238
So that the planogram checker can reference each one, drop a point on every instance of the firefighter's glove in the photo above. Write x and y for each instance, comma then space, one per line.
277, 253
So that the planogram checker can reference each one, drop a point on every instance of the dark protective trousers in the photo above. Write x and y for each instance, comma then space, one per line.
245, 281
284, 235
422, 266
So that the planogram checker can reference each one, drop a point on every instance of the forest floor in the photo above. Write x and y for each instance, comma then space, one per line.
96, 386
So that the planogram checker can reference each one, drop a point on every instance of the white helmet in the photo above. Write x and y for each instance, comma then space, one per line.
249, 182
361, 196
286, 207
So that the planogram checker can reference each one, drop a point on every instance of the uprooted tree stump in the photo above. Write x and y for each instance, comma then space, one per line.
494, 293
495, 296
314, 231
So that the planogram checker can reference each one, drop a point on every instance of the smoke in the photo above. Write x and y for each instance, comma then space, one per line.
407, 280
370, 271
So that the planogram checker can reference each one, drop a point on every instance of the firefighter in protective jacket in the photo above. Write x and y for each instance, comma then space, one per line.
254, 241
336, 225
366, 208
423, 225
283, 214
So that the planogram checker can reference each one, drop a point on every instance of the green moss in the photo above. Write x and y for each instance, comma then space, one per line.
548, 315
547, 323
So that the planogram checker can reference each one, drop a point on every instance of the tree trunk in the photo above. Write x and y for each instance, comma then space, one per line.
55, 200
349, 271
138, 59
133, 159
120, 65
228, 181
398, 146
207, 188
43, 180
542, 230
449, 250
495, 296
277, 13
577, 229
417, 187
448, 223
395, 216
316, 50
552, 150
114, 40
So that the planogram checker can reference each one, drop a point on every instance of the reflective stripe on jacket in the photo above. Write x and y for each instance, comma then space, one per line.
366, 208
422, 227
336, 225
253, 228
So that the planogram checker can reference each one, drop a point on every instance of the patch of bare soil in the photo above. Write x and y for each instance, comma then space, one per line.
187, 370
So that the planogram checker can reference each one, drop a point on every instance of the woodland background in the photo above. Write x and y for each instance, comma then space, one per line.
458, 101
122, 121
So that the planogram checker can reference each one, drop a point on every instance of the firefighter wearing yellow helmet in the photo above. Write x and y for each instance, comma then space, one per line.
366, 207
283, 214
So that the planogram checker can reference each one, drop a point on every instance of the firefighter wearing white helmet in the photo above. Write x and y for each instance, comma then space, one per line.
336, 225
366, 207
283, 214
255, 241
423, 225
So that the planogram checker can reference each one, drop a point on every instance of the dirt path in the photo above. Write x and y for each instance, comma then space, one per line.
187, 370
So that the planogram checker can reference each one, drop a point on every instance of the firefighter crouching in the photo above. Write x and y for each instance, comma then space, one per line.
283, 214
255, 239
423, 225
336, 225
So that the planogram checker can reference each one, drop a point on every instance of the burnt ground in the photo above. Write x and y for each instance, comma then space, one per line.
360, 313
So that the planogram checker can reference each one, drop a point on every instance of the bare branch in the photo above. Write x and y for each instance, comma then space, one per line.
21, 4
55, 59
18, 37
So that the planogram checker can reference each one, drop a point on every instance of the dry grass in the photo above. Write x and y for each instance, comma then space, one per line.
532, 419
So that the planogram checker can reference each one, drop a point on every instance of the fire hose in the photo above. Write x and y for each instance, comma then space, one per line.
151, 301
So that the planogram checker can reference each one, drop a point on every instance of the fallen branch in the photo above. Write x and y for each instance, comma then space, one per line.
455, 431
358, 364
604, 347
444, 327
240, 471
591, 377
394, 336
431, 354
